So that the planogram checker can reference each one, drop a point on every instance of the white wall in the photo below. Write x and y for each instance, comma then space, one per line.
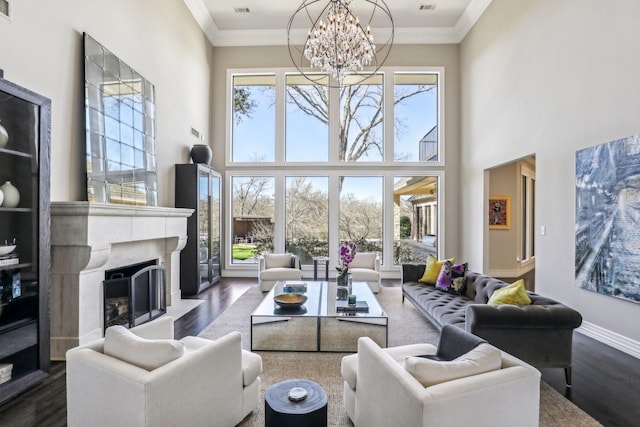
41, 49
549, 77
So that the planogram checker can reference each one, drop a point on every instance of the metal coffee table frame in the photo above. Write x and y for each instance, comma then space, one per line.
317, 325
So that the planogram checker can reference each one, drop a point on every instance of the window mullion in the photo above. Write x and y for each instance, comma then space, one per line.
388, 117
280, 105
279, 213
388, 219
334, 218
334, 124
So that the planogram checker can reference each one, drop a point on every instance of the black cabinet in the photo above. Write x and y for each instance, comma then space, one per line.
198, 188
24, 271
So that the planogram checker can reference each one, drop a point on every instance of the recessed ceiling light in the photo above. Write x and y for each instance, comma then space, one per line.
241, 9
427, 6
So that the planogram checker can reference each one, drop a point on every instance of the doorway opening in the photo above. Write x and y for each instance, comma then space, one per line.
510, 224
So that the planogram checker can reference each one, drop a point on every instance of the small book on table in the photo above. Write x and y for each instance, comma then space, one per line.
358, 307
298, 287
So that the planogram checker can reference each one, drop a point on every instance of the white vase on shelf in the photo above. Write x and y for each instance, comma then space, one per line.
4, 136
11, 195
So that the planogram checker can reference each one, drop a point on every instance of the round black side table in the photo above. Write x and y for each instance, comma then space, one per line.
280, 411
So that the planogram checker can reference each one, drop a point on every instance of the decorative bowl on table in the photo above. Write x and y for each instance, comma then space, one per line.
6, 249
290, 300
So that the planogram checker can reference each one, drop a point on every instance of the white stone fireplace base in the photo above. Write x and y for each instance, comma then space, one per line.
89, 238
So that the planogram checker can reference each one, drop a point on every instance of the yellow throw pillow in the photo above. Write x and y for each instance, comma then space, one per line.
514, 294
432, 269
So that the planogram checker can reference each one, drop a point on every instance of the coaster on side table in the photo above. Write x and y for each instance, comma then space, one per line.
298, 394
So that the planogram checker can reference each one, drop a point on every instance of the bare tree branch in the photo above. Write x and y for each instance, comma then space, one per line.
249, 193
311, 100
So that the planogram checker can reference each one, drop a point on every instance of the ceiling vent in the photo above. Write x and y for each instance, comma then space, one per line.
5, 8
241, 9
427, 6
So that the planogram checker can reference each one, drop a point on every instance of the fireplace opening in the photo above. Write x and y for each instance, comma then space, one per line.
134, 294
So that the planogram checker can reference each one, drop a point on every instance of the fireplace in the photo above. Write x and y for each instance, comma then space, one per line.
134, 294
90, 239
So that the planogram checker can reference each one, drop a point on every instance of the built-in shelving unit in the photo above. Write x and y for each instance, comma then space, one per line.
198, 188
24, 286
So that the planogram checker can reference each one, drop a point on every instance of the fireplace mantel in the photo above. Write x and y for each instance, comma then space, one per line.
89, 238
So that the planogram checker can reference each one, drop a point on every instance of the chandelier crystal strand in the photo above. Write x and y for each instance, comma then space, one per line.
341, 46
336, 43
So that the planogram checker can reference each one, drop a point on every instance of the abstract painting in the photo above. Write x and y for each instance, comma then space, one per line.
607, 256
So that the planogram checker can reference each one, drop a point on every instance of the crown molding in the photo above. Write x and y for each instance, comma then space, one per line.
431, 35
250, 38
203, 18
469, 18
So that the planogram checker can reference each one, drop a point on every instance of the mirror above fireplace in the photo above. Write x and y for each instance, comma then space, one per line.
120, 130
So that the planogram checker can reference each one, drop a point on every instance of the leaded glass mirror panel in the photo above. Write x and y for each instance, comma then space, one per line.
120, 130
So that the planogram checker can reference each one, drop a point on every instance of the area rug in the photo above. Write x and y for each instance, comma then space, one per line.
406, 326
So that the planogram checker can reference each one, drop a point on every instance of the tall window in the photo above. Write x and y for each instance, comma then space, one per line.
361, 121
254, 119
361, 211
415, 204
253, 210
311, 166
307, 121
416, 117
307, 217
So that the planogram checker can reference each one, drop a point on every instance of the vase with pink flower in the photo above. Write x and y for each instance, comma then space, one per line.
347, 252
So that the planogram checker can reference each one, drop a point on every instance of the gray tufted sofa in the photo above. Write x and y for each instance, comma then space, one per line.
540, 334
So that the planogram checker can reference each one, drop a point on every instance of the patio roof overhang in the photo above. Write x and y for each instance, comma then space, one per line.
415, 186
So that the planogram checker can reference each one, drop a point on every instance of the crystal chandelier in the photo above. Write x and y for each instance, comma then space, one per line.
337, 43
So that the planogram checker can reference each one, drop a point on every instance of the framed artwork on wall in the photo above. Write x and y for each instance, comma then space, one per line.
499, 212
607, 219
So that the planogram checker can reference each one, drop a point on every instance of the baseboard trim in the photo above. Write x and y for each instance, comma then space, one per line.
613, 339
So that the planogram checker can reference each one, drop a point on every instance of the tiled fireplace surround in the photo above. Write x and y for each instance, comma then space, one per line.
89, 238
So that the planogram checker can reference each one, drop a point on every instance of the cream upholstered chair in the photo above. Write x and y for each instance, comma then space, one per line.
365, 267
142, 377
277, 267
481, 387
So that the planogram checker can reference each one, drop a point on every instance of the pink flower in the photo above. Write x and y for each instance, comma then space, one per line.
347, 252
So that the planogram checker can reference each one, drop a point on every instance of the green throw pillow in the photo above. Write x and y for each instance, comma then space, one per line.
514, 294
432, 269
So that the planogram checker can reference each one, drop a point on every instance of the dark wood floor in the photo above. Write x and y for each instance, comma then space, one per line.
606, 382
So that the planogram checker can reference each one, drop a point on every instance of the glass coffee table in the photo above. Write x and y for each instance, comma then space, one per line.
317, 325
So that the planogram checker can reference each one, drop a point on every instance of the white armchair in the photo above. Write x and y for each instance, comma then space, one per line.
365, 267
277, 267
207, 382
379, 390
